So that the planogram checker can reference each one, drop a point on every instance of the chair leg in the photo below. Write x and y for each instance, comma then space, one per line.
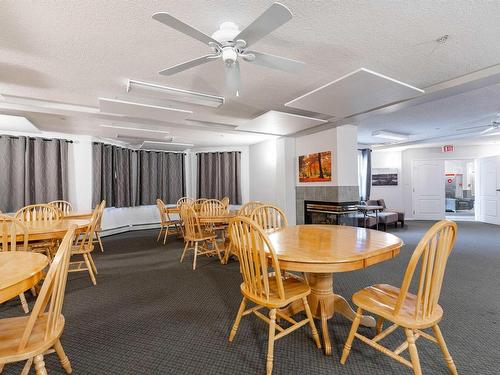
185, 248
350, 338
166, 234
380, 324
195, 253
40, 365
270, 342
238, 319
94, 268
24, 304
412, 348
444, 350
218, 251
311, 323
89, 269
159, 234
63, 358
100, 241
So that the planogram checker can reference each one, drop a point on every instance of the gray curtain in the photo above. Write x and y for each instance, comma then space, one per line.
219, 175
365, 173
35, 170
126, 177
160, 175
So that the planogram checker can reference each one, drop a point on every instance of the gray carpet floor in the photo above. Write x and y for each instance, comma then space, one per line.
150, 314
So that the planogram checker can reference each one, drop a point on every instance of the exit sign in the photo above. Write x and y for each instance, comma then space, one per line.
447, 148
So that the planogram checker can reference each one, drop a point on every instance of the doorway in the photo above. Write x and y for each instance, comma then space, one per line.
460, 195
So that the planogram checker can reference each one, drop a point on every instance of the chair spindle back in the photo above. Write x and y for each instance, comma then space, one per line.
247, 209
86, 239
64, 206
10, 229
432, 253
253, 247
39, 212
185, 200
192, 228
225, 202
212, 207
269, 217
51, 297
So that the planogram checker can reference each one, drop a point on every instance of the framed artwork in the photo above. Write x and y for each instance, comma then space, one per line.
315, 167
384, 177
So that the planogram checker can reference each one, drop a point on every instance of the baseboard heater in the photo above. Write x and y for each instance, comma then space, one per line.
129, 228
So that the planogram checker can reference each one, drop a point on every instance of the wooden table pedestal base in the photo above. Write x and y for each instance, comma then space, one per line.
324, 303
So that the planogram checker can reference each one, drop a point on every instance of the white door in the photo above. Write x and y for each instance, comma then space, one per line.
489, 190
428, 189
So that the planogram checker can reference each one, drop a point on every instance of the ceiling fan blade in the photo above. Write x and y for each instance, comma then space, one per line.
491, 128
474, 127
184, 28
276, 62
188, 65
275, 16
233, 79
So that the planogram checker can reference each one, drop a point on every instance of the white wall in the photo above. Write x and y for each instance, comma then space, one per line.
342, 142
272, 174
393, 195
263, 171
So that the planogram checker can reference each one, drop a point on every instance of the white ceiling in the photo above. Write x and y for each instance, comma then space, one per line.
78, 51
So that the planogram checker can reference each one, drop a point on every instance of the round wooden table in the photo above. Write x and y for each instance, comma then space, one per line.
321, 250
19, 271
48, 230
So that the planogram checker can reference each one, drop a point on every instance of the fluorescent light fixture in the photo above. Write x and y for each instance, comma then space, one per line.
390, 135
171, 93
139, 110
135, 129
17, 124
171, 143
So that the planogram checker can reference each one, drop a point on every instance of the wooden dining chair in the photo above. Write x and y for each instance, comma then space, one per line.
196, 237
98, 228
64, 206
270, 218
40, 213
166, 223
198, 203
225, 202
185, 200
84, 245
247, 209
412, 312
29, 338
264, 289
14, 236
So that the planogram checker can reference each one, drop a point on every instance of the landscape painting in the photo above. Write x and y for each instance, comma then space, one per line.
315, 167
384, 177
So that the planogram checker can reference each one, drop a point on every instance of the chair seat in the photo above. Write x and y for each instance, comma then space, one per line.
381, 299
77, 249
203, 236
170, 222
294, 289
11, 330
387, 217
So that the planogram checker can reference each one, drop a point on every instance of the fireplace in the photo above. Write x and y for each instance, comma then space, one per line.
319, 212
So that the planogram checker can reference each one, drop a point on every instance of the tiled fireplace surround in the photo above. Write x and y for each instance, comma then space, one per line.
323, 194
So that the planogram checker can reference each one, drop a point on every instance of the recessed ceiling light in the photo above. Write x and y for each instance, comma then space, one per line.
171, 93
135, 129
390, 135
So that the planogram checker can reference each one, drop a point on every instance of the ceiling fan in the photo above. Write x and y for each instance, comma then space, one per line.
492, 126
231, 44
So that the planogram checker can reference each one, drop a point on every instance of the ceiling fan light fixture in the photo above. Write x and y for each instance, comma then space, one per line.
393, 136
